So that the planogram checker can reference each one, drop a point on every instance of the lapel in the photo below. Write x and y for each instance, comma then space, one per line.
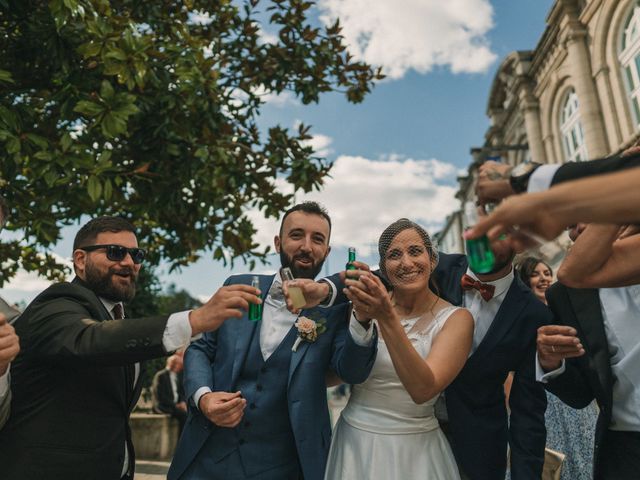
245, 329
511, 307
298, 355
585, 304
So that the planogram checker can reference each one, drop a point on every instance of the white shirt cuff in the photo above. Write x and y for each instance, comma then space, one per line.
5, 381
177, 333
540, 180
199, 393
334, 294
362, 336
544, 377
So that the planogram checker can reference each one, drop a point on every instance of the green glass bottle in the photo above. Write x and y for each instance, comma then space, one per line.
479, 254
255, 310
352, 258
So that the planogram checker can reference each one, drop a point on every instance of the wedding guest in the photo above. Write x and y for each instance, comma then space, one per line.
388, 428
569, 431
76, 378
592, 353
9, 344
168, 392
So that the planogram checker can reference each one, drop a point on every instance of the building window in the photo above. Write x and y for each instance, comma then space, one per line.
575, 148
630, 60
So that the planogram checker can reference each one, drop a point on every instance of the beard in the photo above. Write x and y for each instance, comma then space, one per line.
102, 284
301, 272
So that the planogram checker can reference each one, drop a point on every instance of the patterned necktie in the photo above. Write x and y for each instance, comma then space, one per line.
118, 311
486, 291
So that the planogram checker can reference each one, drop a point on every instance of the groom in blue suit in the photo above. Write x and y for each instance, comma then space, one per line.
258, 403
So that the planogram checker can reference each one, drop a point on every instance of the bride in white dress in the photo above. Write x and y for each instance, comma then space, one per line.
388, 429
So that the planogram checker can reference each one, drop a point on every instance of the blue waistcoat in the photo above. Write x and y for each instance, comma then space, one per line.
264, 438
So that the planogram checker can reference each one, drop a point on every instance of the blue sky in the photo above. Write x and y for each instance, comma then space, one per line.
398, 153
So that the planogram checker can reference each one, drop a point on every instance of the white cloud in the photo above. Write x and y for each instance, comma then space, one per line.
401, 35
320, 144
26, 285
364, 196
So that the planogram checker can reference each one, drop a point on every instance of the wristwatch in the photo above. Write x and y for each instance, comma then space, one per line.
519, 177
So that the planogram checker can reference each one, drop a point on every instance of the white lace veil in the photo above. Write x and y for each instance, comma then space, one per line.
390, 245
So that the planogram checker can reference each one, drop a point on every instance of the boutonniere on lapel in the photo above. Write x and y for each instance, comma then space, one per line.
308, 331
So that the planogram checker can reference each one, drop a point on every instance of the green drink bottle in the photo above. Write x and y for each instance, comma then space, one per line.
352, 258
479, 254
255, 310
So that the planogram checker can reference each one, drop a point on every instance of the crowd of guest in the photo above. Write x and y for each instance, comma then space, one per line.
426, 340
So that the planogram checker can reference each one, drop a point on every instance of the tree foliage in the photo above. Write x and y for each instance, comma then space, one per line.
149, 110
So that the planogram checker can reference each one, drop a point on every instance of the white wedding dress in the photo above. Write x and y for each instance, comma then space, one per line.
382, 434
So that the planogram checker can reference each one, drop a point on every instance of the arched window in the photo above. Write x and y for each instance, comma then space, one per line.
575, 149
630, 60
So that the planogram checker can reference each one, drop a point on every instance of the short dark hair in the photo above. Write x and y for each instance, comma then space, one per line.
4, 211
313, 208
88, 233
526, 268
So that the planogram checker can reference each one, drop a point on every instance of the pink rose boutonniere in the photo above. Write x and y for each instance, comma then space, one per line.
308, 331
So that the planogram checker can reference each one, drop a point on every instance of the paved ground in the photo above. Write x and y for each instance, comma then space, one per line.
152, 470
148, 470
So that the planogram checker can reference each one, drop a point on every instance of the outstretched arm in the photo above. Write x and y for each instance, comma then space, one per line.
599, 259
604, 198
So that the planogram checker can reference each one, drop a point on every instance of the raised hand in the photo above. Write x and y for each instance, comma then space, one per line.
369, 296
227, 302
556, 343
9, 344
314, 293
223, 409
493, 182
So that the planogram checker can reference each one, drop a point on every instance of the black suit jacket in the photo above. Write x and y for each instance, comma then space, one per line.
72, 386
575, 170
478, 418
162, 391
588, 377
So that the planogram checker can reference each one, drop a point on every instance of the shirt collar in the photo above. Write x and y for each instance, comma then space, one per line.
109, 304
501, 284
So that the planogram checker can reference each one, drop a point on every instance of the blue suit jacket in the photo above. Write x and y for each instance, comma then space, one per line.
217, 359
475, 399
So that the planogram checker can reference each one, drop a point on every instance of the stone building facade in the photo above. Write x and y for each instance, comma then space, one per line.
575, 96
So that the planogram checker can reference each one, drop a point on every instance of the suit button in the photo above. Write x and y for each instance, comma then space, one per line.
263, 369
252, 406
241, 442
259, 388
247, 424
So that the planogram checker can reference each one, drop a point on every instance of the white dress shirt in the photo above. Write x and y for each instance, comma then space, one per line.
620, 309
5, 381
484, 312
277, 321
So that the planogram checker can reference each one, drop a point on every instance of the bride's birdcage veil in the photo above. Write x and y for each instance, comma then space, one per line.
392, 231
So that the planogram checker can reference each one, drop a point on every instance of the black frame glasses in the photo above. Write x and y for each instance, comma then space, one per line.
117, 253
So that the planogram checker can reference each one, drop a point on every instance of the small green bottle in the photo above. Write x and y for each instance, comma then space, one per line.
255, 310
479, 254
352, 258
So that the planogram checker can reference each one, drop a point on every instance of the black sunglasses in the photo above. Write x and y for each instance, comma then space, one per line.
117, 253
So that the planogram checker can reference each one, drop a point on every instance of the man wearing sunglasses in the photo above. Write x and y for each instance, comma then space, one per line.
77, 377
9, 342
